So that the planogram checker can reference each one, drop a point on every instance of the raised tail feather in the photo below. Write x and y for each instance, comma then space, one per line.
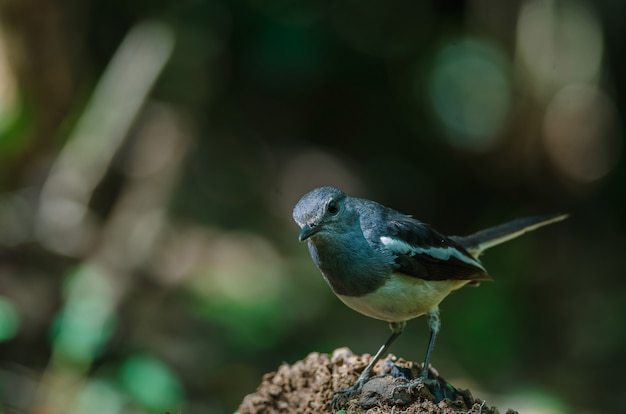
480, 241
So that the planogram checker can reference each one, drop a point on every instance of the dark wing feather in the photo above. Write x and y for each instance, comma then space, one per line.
432, 256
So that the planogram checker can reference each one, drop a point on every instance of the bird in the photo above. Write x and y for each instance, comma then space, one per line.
390, 266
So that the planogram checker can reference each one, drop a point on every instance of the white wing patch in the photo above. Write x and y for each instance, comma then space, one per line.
440, 253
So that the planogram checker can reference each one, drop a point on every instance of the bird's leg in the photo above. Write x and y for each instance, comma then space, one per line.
434, 324
396, 329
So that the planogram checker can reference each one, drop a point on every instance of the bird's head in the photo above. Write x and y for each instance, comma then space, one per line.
320, 209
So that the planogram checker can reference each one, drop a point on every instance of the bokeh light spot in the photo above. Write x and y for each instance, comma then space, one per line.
470, 93
151, 383
580, 133
559, 43
9, 320
101, 394
84, 324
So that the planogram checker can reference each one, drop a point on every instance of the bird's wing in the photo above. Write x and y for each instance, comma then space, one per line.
422, 252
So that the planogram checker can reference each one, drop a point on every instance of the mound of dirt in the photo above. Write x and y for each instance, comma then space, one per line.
309, 385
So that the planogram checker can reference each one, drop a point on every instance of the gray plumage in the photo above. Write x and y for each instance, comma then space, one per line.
391, 266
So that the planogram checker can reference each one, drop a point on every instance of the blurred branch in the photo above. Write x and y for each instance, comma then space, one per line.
63, 216
112, 251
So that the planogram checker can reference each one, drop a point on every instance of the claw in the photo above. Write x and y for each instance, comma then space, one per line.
411, 385
348, 392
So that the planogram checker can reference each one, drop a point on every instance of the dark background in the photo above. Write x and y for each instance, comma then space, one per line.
151, 153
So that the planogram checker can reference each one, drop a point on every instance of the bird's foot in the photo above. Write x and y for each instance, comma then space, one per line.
409, 386
345, 394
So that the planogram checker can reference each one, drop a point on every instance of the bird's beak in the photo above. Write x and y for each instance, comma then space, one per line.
307, 231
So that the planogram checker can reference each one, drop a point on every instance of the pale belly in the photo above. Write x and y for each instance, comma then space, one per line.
402, 298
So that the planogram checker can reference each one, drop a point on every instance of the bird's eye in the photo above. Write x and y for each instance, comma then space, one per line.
333, 208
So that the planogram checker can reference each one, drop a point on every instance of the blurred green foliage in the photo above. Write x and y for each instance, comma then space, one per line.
151, 152
9, 320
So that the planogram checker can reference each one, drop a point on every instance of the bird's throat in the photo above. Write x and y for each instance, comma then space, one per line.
357, 275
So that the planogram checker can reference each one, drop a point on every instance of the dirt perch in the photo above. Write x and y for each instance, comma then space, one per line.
308, 385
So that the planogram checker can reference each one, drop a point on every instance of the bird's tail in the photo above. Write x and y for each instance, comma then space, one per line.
476, 243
